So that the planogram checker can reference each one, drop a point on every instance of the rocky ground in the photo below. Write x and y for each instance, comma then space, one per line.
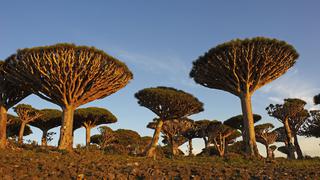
41, 163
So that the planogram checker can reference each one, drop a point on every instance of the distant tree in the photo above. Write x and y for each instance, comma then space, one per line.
50, 118
168, 104
91, 117
173, 131
265, 136
218, 132
286, 113
237, 122
10, 94
240, 67
201, 130
26, 115
272, 149
69, 76
284, 150
13, 126
312, 126
316, 99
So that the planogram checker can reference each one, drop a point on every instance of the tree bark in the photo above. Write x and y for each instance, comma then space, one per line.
44, 138
88, 132
151, 151
21, 131
206, 144
298, 148
66, 130
3, 127
290, 146
174, 148
190, 147
250, 138
269, 151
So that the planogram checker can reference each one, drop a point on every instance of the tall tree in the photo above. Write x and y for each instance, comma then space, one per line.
173, 131
312, 126
168, 104
240, 67
10, 94
50, 118
286, 113
266, 137
69, 76
91, 117
26, 115
237, 122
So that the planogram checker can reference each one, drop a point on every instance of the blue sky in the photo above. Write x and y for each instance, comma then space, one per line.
159, 41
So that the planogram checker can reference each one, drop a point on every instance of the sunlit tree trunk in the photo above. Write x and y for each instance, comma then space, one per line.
3, 127
290, 145
88, 132
269, 151
297, 146
21, 131
66, 131
44, 138
151, 151
250, 138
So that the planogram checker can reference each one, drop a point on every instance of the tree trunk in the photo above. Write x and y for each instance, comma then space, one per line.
21, 131
206, 144
250, 138
290, 146
269, 151
175, 148
66, 130
151, 150
3, 127
190, 147
44, 138
297, 146
88, 132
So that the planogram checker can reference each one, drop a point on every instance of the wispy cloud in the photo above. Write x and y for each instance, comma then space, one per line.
292, 86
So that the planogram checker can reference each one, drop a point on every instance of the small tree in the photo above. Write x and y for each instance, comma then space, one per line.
26, 115
266, 137
312, 126
285, 113
218, 134
10, 94
241, 67
13, 126
237, 122
173, 131
50, 118
168, 104
91, 117
69, 76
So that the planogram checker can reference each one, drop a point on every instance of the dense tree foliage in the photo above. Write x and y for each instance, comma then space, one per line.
316, 99
10, 94
69, 76
168, 104
266, 137
26, 115
50, 118
291, 111
241, 67
91, 117
312, 126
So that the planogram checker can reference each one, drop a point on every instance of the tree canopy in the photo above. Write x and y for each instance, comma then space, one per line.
312, 126
316, 99
49, 119
237, 121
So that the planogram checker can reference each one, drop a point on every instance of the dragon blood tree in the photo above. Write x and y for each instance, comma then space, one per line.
69, 76
173, 131
237, 122
91, 117
50, 118
26, 115
10, 94
312, 126
13, 127
265, 136
287, 113
240, 67
316, 99
218, 133
168, 104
